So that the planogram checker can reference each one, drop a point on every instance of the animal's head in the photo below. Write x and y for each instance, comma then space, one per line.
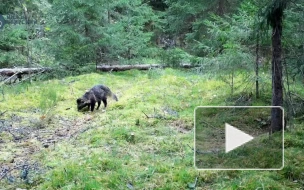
81, 103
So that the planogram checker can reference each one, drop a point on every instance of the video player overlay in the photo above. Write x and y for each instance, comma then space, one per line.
237, 138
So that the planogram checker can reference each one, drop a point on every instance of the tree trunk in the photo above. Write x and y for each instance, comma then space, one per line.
276, 65
221, 5
257, 93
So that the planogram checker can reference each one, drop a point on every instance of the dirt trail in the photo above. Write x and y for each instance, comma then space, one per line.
23, 136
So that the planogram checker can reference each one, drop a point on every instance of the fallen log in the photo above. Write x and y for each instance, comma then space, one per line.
126, 67
107, 68
21, 71
188, 65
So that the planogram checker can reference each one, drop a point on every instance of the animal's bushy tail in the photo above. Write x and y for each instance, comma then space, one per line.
109, 93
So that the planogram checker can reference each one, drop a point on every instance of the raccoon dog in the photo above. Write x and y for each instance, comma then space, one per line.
96, 94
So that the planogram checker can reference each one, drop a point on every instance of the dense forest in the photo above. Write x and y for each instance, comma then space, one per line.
193, 53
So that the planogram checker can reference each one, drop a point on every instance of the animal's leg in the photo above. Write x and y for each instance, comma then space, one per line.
104, 102
92, 106
99, 102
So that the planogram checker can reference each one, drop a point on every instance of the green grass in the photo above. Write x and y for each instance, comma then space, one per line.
161, 154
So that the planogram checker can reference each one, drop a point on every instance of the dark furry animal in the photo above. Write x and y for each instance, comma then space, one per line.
96, 94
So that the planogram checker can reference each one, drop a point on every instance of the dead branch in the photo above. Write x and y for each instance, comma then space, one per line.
75, 134
146, 115
2, 113
155, 116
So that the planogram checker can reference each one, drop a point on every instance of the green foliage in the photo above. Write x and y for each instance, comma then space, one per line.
155, 73
100, 32
75, 34
185, 17
228, 33
73, 28
12, 46
274, 10
179, 13
293, 41
127, 33
48, 98
230, 53
174, 57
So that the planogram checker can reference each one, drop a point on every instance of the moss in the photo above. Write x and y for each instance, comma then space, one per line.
100, 153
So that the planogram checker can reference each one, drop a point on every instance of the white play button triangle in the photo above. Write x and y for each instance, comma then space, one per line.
235, 137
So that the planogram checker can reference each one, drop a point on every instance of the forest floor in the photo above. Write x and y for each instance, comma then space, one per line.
142, 141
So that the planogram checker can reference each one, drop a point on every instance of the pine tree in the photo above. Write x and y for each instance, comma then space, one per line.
274, 13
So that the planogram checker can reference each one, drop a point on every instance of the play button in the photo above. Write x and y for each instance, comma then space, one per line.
223, 138
235, 138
